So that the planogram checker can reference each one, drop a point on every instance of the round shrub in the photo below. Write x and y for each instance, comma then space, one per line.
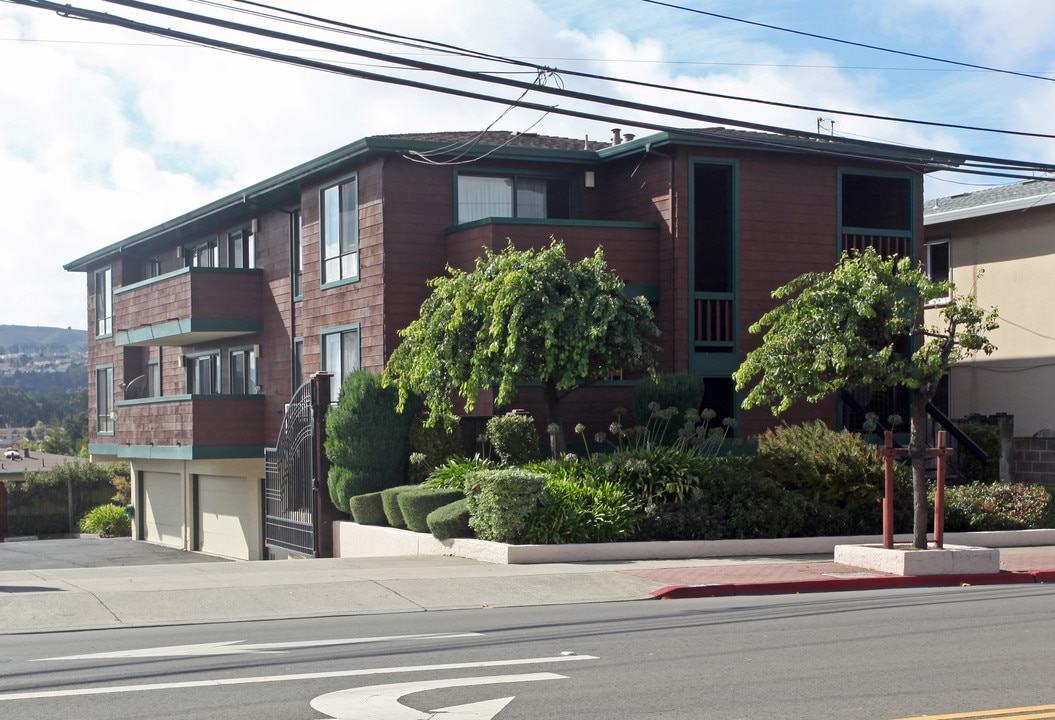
501, 501
106, 521
390, 503
514, 437
450, 521
416, 504
368, 509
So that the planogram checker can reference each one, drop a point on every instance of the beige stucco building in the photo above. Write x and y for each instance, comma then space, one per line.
1007, 234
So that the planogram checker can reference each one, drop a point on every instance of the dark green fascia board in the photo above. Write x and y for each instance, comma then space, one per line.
554, 222
180, 452
186, 326
110, 449
925, 159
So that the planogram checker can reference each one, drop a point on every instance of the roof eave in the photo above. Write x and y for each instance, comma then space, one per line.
1018, 204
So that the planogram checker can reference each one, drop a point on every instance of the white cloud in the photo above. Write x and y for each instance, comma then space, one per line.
105, 132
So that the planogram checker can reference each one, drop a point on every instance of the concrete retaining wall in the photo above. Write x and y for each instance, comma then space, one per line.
353, 540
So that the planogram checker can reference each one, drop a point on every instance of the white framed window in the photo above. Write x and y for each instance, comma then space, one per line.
339, 210
203, 374
241, 249
340, 356
519, 196
298, 363
104, 302
296, 252
243, 372
153, 375
939, 262
104, 400
203, 254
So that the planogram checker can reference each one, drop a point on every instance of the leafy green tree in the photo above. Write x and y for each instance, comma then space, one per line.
521, 315
862, 325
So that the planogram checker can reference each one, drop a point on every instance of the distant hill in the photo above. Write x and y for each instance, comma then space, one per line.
24, 338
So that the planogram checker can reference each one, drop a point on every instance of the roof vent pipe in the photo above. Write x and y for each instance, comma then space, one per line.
628, 137
616, 136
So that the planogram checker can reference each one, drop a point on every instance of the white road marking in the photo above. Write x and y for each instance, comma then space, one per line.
232, 647
189, 684
381, 702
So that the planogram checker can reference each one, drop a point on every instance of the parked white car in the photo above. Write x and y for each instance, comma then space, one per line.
13, 455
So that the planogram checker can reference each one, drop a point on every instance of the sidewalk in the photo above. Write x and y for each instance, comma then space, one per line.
212, 590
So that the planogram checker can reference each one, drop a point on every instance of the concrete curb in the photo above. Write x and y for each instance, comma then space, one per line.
792, 587
352, 540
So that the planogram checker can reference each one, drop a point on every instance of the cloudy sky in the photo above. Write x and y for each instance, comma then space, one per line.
106, 131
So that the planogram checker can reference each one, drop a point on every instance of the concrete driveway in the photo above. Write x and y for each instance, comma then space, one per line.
91, 551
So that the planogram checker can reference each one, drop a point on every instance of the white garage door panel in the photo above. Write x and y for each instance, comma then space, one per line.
162, 508
228, 515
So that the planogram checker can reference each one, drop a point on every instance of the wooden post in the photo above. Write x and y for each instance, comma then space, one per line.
941, 453
888, 452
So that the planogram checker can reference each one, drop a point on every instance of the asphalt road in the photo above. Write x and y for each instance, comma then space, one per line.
89, 551
880, 655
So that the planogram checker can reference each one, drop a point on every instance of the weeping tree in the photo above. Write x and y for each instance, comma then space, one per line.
862, 325
519, 316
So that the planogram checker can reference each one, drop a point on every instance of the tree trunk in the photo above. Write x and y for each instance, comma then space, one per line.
917, 451
555, 427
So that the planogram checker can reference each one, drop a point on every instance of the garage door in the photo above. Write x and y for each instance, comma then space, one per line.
229, 516
162, 508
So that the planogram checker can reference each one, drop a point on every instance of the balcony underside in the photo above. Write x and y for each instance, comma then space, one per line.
189, 331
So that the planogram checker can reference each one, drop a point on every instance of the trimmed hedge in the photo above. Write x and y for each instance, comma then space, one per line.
368, 509
514, 437
417, 503
390, 503
501, 501
450, 521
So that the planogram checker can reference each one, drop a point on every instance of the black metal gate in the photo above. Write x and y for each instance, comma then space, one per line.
290, 521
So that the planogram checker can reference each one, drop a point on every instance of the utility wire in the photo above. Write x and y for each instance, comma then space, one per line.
456, 50
857, 149
318, 22
849, 42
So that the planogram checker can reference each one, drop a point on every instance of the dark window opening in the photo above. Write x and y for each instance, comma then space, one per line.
877, 202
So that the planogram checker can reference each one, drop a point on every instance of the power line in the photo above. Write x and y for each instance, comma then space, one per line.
849, 42
444, 47
847, 149
318, 22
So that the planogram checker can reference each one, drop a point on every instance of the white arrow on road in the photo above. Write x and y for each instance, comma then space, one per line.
296, 677
381, 702
235, 647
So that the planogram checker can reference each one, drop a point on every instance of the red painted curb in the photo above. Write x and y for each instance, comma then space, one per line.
883, 582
